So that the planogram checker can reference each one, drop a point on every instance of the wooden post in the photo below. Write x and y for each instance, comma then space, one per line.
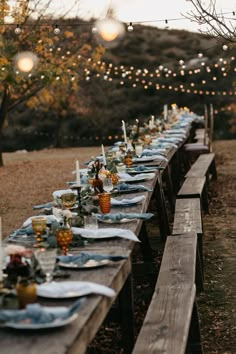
206, 136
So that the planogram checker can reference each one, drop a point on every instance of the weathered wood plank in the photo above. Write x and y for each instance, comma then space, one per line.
167, 323
202, 165
192, 187
187, 217
178, 264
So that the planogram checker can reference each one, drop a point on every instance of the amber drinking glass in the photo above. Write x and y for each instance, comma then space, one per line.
64, 237
105, 202
68, 200
39, 225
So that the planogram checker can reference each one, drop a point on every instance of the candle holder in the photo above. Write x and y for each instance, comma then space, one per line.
78, 190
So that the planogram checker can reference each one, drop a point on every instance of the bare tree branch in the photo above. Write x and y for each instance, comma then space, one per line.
216, 22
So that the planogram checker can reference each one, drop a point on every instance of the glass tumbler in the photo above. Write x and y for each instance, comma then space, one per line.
90, 222
105, 202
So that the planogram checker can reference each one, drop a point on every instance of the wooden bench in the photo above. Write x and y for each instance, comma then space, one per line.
195, 187
171, 324
203, 166
188, 218
199, 137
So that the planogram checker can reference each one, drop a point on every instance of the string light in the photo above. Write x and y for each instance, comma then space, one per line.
130, 28
57, 30
18, 30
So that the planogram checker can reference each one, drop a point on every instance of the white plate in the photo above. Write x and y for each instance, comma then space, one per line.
70, 289
121, 221
90, 264
33, 326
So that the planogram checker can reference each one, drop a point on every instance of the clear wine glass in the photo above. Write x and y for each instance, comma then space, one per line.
47, 261
107, 184
138, 149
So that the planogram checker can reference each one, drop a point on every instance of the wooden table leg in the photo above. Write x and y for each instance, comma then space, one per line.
127, 315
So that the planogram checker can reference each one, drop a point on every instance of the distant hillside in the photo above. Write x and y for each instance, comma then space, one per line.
138, 77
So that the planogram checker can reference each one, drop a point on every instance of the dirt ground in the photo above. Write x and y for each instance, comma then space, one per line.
29, 178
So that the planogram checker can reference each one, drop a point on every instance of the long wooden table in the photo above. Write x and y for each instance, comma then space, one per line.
75, 337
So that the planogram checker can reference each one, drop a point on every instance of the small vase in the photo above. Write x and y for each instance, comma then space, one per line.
26, 292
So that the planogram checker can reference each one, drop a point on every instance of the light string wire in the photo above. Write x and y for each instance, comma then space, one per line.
88, 23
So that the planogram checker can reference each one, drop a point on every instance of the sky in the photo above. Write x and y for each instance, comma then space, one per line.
149, 12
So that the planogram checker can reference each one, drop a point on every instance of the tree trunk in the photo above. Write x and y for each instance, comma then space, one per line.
3, 114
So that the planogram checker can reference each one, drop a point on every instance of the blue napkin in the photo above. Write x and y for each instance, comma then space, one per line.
141, 168
40, 314
128, 187
23, 231
84, 257
120, 216
43, 206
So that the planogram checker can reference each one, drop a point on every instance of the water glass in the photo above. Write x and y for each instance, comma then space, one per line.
47, 261
107, 184
121, 168
138, 149
90, 222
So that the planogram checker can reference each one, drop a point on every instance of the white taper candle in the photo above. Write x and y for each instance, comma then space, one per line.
77, 173
124, 131
104, 156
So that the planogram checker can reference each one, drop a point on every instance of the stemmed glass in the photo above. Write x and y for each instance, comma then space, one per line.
39, 225
138, 149
107, 184
68, 200
47, 261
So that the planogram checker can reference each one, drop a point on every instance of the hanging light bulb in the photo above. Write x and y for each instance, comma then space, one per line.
94, 30
56, 30
25, 62
109, 31
130, 28
17, 29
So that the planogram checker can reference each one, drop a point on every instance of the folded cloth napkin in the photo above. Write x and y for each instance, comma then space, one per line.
59, 193
127, 201
156, 156
35, 313
67, 289
128, 178
134, 187
43, 206
153, 152
23, 231
85, 257
167, 142
176, 131
108, 232
120, 216
141, 168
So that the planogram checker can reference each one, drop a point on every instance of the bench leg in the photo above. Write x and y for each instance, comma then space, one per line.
199, 265
205, 199
213, 170
194, 341
127, 315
